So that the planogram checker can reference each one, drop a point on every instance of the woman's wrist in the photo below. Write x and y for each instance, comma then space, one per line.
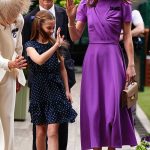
11, 65
71, 19
131, 65
71, 22
71, 26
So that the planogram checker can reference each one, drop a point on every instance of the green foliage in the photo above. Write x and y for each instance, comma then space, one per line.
61, 3
144, 145
140, 147
144, 101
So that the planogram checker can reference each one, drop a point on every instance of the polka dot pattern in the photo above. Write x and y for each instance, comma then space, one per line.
48, 102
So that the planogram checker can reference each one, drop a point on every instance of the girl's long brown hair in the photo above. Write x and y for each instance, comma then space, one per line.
94, 2
40, 18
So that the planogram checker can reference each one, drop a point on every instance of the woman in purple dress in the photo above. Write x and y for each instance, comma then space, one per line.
103, 122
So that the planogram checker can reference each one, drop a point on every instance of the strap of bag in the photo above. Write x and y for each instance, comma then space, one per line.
129, 82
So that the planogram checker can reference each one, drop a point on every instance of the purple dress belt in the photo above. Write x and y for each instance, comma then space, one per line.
104, 42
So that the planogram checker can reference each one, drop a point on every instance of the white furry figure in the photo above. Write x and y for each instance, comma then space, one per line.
11, 63
10, 9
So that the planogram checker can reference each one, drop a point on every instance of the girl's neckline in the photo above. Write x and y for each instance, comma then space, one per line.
42, 43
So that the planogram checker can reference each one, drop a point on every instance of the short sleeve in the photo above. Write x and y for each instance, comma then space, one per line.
82, 11
136, 18
28, 44
127, 11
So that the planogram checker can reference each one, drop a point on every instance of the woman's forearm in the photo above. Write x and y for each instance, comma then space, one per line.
128, 43
129, 50
75, 30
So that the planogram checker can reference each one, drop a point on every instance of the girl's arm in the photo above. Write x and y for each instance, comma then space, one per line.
41, 58
127, 37
65, 78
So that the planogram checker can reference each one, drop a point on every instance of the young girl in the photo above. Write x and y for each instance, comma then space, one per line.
50, 99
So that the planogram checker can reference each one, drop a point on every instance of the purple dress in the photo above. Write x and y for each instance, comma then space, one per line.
103, 121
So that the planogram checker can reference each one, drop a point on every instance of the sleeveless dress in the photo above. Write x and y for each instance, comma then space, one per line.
48, 101
103, 121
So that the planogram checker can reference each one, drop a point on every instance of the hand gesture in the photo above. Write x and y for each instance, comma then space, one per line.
130, 73
19, 63
59, 39
71, 9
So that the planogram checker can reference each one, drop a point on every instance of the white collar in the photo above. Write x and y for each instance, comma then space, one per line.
52, 9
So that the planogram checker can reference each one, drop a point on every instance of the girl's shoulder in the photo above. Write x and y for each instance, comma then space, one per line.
38, 46
30, 44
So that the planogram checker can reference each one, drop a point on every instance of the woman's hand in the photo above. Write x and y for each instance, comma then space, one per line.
130, 73
59, 39
19, 63
71, 9
68, 95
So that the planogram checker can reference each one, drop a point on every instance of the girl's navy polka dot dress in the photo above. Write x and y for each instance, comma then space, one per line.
48, 102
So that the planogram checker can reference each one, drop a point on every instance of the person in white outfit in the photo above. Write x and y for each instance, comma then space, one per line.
138, 24
11, 63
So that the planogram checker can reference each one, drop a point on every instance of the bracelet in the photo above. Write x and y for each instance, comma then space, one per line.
69, 26
131, 65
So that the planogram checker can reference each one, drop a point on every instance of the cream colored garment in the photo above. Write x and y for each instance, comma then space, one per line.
9, 49
7, 106
1, 137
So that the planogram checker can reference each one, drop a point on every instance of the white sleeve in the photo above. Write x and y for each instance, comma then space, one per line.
4, 63
136, 18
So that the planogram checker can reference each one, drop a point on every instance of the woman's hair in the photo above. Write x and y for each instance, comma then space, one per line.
10, 9
94, 2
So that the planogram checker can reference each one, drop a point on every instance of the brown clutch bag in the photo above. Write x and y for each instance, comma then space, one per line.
129, 95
